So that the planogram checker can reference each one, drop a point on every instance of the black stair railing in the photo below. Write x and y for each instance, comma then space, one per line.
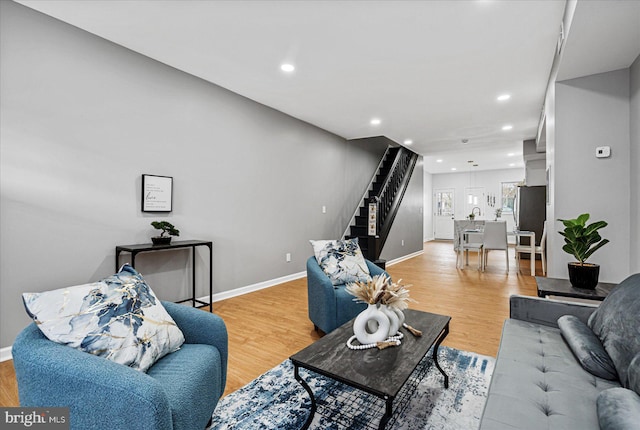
384, 205
379, 210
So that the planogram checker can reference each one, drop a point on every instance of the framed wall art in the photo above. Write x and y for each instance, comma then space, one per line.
157, 193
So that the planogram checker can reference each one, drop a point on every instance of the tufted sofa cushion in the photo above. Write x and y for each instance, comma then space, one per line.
537, 383
616, 323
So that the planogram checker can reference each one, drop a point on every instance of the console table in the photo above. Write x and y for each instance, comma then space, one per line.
148, 247
562, 287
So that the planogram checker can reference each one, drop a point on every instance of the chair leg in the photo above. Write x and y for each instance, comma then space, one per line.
544, 264
484, 259
506, 252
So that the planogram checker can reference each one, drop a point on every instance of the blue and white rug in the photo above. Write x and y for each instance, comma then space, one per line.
276, 400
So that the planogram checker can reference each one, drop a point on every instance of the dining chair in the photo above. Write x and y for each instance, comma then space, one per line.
539, 249
495, 239
464, 246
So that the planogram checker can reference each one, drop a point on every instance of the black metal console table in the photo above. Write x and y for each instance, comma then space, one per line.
148, 247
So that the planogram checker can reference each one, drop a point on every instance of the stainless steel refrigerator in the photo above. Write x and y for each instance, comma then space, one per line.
531, 211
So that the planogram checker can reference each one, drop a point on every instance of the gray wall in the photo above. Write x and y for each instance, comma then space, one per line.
83, 118
634, 255
592, 111
406, 233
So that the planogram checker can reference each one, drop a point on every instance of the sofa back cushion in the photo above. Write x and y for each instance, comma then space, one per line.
634, 374
617, 323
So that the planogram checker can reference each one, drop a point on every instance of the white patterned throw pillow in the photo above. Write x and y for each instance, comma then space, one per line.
118, 318
341, 260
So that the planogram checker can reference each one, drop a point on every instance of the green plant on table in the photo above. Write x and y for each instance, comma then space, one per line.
166, 228
582, 240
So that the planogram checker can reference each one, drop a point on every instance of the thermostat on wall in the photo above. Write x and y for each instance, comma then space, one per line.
603, 151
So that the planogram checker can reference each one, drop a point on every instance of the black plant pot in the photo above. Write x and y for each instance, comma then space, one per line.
585, 276
159, 240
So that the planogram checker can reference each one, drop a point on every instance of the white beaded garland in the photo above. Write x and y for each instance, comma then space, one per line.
396, 339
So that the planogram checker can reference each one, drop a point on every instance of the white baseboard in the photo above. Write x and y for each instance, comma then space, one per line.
404, 257
5, 353
254, 287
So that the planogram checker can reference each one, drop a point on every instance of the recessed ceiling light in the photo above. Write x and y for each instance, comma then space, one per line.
287, 67
507, 127
438, 160
504, 97
465, 141
453, 168
511, 154
512, 164
408, 141
375, 121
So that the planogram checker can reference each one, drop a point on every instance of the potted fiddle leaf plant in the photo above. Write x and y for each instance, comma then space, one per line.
166, 228
581, 241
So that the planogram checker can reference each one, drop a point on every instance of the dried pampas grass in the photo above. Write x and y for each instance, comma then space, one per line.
396, 296
380, 289
368, 292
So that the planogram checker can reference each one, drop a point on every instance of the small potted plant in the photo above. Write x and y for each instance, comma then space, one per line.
581, 241
166, 228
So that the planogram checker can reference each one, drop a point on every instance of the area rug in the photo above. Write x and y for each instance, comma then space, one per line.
275, 400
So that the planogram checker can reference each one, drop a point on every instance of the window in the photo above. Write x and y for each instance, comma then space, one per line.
509, 190
444, 203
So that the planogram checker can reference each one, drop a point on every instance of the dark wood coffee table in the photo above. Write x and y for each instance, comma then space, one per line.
563, 288
385, 371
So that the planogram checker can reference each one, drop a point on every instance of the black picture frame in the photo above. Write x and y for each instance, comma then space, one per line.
157, 193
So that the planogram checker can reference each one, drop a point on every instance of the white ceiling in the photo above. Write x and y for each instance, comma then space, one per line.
429, 70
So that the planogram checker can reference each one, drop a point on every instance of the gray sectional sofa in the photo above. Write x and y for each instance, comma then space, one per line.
564, 365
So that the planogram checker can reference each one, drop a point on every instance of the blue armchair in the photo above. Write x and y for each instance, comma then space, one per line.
330, 305
180, 391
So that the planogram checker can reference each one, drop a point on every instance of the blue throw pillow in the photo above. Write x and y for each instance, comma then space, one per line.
118, 318
586, 347
618, 409
341, 260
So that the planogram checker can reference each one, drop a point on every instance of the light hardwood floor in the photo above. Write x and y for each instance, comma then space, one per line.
268, 326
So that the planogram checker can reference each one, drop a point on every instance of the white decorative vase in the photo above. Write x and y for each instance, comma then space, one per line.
394, 320
400, 316
371, 325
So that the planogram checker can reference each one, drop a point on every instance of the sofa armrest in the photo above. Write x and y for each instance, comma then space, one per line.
375, 270
547, 311
202, 327
101, 394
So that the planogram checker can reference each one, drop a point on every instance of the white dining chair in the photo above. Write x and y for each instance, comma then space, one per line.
495, 239
464, 246
539, 249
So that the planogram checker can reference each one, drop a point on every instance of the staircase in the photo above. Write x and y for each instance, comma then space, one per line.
382, 202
